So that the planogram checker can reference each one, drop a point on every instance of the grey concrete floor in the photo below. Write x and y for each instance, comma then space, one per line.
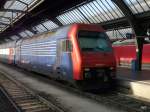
71, 102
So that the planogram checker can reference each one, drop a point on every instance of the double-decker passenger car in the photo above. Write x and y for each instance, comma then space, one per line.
79, 53
125, 52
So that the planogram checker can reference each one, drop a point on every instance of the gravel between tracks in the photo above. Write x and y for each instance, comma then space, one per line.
22, 98
61, 97
70, 102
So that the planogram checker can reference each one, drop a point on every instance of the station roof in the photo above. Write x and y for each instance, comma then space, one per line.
12, 10
24, 18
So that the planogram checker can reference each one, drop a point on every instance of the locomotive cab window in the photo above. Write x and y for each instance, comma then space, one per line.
91, 41
66, 46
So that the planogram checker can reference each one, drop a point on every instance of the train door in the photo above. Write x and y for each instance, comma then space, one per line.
18, 52
11, 55
58, 56
10, 51
64, 49
15, 47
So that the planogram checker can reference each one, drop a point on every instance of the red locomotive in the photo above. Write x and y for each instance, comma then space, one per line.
79, 53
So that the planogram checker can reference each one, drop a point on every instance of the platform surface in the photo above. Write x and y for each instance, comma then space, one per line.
126, 73
138, 82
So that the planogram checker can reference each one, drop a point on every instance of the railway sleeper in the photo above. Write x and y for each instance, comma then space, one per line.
26, 101
35, 108
40, 110
21, 96
24, 98
30, 103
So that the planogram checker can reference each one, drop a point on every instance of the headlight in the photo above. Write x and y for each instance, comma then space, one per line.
86, 69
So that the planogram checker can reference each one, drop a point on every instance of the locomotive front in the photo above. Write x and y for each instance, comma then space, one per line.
92, 56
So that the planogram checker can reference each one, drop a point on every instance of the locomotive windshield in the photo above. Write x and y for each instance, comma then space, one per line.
93, 41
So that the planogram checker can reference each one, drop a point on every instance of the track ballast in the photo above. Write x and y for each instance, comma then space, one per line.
24, 99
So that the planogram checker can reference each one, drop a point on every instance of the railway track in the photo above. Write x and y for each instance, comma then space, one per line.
23, 99
112, 98
6, 104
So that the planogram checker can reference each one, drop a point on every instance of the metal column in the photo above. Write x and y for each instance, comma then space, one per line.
137, 28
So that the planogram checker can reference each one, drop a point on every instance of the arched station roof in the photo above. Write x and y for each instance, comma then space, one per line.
24, 18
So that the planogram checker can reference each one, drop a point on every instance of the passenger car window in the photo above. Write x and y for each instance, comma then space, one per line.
66, 46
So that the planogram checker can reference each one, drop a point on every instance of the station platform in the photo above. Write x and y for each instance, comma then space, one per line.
137, 82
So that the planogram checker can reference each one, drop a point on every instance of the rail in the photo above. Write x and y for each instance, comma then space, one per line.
23, 99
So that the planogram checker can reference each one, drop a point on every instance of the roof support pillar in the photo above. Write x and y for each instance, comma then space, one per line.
137, 28
139, 52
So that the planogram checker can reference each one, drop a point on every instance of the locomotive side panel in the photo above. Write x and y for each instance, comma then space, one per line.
40, 54
146, 54
126, 53
63, 65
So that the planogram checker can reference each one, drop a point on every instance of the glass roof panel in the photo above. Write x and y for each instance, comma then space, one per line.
41, 28
29, 33
8, 4
28, 1
17, 5
23, 34
96, 11
4, 19
86, 14
1, 26
73, 16
118, 34
14, 37
50, 25
138, 6
22, 5
45, 26
7, 40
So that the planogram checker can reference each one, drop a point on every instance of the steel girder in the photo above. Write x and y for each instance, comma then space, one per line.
138, 29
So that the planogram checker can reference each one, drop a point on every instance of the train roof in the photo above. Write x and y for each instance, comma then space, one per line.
129, 42
61, 31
